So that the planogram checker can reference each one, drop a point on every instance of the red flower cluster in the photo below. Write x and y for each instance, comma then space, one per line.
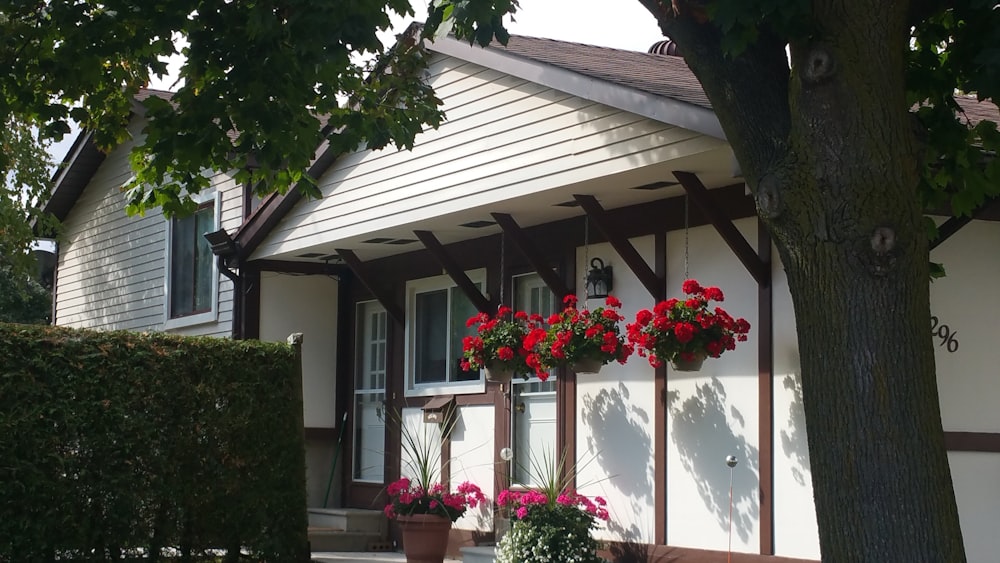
499, 339
575, 334
406, 498
686, 329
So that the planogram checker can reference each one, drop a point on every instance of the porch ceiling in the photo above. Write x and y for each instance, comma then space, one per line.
716, 168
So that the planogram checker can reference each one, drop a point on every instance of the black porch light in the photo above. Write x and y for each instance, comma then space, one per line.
598, 280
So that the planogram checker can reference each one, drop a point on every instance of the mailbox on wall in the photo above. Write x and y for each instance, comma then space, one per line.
436, 410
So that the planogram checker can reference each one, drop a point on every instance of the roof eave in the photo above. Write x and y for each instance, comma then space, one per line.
658, 108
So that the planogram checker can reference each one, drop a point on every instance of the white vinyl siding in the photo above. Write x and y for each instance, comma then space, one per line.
111, 268
504, 138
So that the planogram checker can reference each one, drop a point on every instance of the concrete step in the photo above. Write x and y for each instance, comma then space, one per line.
350, 520
332, 539
478, 555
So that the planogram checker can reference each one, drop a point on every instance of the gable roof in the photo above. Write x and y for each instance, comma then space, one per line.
82, 161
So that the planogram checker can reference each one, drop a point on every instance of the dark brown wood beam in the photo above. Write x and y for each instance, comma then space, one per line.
361, 273
955, 224
725, 227
524, 245
972, 442
653, 284
660, 415
765, 395
457, 274
293, 267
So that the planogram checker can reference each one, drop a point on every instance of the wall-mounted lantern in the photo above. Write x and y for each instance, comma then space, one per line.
598, 280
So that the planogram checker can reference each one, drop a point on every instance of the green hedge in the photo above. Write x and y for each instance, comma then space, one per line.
121, 445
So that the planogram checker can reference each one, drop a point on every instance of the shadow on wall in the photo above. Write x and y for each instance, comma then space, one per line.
793, 439
703, 433
630, 549
618, 438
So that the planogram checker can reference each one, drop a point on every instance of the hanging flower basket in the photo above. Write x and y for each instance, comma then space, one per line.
586, 365
581, 339
680, 364
685, 332
498, 346
497, 372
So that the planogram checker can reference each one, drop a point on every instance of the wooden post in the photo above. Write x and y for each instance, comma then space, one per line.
295, 341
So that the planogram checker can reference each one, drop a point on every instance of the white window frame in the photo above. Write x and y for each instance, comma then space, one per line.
362, 342
412, 389
211, 315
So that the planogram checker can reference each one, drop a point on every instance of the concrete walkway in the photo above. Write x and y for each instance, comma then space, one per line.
379, 557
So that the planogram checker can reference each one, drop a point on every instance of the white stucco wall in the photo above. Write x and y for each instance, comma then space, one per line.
472, 448
713, 413
306, 304
795, 531
615, 413
967, 303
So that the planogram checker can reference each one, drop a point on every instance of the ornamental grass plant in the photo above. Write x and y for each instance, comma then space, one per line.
551, 523
423, 493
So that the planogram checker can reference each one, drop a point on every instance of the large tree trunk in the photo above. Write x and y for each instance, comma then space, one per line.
832, 158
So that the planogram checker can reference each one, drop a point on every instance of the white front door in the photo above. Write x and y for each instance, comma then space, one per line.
369, 393
533, 416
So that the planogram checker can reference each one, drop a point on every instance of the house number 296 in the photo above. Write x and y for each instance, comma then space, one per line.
944, 333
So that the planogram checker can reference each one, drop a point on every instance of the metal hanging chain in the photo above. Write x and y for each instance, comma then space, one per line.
586, 249
686, 241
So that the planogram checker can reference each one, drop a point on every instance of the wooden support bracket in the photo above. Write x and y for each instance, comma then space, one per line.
524, 245
725, 227
361, 272
456, 273
954, 224
655, 285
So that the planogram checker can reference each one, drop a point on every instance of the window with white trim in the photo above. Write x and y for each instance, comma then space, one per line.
437, 311
191, 274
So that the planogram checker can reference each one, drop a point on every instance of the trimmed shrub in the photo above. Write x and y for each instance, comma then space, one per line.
120, 445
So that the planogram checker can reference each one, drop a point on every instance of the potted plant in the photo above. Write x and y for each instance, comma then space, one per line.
686, 331
424, 508
552, 522
498, 345
583, 339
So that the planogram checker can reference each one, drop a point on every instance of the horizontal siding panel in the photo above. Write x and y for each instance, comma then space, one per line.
503, 138
112, 266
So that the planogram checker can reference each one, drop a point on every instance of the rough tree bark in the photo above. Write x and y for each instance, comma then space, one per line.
831, 156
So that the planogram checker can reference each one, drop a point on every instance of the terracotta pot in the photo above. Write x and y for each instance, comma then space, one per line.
586, 365
688, 365
425, 537
497, 373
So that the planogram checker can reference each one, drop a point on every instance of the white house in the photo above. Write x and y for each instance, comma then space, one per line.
552, 154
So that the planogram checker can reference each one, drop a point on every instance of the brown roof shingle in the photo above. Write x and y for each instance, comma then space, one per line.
661, 75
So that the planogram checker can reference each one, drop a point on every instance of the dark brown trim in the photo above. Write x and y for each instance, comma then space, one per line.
292, 267
724, 225
455, 272
326, 434
622, 246
566, 391
972, 442
361, 272
538, 263
955, 224
250, 301
273, 209
765, 394
660, 413
620, 552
